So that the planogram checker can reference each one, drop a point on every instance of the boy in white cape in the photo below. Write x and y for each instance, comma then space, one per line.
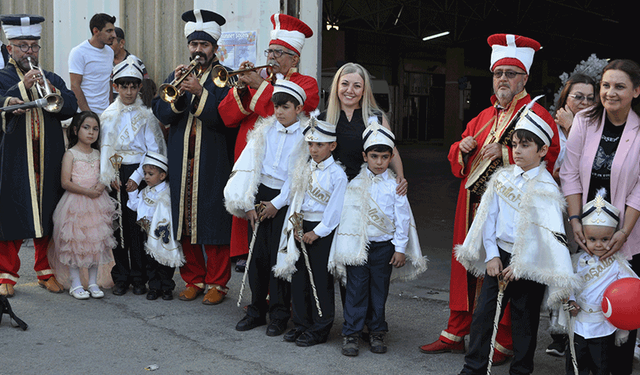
376, 242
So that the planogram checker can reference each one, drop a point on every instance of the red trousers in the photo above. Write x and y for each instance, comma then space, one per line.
214, 271
459, 324
10, 262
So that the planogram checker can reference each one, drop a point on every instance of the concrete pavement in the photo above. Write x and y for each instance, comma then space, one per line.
123, 335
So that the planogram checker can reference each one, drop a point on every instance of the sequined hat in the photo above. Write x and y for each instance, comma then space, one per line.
600, 212
376, 134
319, 131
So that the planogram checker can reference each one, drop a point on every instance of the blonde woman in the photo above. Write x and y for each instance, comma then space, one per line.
352, 106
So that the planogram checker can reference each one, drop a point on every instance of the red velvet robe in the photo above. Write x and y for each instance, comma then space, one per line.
243, 112
459, 297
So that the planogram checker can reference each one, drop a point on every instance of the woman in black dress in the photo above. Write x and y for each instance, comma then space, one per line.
352, 107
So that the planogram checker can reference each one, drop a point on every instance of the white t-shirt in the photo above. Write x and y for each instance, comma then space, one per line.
94, 65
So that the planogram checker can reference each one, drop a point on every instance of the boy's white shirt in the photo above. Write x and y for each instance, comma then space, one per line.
154, 205
330, 181
502, 215
247, 173
361, 222
539, 251
596, 277
129, 131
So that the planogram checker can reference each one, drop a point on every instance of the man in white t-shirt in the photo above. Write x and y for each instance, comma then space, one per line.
90, 65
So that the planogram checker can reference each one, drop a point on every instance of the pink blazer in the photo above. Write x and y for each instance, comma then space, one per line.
575, 172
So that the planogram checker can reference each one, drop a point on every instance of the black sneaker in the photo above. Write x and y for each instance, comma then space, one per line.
556, 349
350, 345
376, 341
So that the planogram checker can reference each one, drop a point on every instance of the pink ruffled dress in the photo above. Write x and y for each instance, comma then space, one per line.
83, 227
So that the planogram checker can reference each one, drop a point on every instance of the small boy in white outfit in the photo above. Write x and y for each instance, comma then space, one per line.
376, 236
594, 336
316, 194
153, 207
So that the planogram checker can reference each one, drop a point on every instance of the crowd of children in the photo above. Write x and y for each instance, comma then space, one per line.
309, 225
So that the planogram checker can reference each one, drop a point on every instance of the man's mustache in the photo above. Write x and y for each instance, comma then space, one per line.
273, 62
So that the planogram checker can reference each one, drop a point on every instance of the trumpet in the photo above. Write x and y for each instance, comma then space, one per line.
221, 75
53, 102
170, 92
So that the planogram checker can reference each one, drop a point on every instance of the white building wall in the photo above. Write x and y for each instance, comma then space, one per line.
71, 27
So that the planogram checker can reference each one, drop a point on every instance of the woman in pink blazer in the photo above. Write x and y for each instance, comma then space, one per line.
603, 150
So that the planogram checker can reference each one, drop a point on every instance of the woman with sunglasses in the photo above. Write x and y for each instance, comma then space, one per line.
578, 94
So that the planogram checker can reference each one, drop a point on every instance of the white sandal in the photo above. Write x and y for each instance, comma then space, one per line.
95, 292
79, 293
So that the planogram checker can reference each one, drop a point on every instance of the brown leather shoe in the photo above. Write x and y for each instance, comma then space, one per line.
51, 284
7, 290
190, 293
213, 297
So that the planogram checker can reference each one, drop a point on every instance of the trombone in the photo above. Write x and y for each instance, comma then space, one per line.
221, 75
53, 102
170, 92
38, 103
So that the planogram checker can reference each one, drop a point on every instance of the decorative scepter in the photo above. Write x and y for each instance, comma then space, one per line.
502, 285
258, 208
116, 162
566, 307
296, 220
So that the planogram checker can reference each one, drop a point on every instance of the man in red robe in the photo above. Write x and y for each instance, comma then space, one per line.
511, 60
242, 107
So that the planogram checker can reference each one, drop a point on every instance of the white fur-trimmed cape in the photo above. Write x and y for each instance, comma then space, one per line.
540, 250
111, 142
161, 244
350, 246
242, 186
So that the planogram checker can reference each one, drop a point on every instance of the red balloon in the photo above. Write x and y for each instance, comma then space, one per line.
621, 303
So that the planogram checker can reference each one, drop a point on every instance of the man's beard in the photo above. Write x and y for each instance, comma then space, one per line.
23, 63
508, 94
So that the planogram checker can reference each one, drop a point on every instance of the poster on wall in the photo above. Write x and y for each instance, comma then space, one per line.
234, 47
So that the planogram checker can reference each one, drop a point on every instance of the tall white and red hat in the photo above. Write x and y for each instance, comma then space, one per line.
289, 32
510, 49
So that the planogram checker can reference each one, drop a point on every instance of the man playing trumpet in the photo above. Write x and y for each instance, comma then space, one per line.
31, 150
241, 108
200, 162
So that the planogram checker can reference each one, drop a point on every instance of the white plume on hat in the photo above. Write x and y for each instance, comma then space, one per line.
319, 131
376, 134
529, 120
599, 212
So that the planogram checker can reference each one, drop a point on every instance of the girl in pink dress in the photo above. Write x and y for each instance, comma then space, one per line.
83, 220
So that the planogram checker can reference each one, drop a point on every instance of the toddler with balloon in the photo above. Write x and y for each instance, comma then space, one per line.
594, 335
